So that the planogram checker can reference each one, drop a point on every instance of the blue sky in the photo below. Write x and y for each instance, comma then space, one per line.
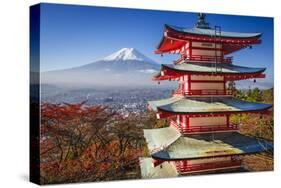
76, 35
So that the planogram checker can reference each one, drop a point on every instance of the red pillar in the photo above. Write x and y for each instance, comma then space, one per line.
189, 83
190, 49
224, 85
227, 120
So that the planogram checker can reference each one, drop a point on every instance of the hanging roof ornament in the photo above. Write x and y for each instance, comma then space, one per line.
201, 23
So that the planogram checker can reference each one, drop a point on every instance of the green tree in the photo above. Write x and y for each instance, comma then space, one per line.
254, 95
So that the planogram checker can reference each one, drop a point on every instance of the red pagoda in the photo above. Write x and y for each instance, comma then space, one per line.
200, 137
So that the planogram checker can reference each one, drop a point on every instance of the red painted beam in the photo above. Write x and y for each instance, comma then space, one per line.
183, 168
206, 48
207, 81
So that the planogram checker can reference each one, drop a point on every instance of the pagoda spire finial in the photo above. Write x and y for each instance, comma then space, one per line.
201, 23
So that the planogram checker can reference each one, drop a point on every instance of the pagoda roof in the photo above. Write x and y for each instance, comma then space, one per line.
207, 145
199, 105
211, 32
161, 137
163, 102
148, 170
207, 68
175, 37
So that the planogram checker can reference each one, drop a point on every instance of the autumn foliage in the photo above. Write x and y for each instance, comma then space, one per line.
88, 143
81, 143
257, 125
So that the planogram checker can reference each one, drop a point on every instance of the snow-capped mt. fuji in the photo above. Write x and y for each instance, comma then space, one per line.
125, 60
126, 66
128, 54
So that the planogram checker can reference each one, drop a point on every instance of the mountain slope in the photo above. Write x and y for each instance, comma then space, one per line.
126, 67
126, 59
128, 54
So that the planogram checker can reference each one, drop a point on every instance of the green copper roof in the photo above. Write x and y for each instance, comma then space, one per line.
206, 105
160, 138
211, 32
164, 170
224, 68
162, 102
212, 145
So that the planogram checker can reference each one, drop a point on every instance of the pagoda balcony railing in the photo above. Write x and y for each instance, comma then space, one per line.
202, 92
176, 125
189, 168
219, 59
212, 128
206, 128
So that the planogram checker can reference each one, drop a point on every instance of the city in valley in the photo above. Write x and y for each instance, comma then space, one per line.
122, 100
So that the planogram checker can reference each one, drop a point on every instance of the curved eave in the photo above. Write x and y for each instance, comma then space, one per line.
159, 156
160, 43
216, 106
258, 70
212, 145
206, 105
170, 72
162, 48
161, 109
160, 138
180, 30
153, 104
171, 33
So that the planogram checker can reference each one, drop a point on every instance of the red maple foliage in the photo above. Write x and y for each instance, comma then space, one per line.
87, 143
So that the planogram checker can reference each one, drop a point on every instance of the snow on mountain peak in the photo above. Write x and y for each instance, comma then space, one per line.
127, 54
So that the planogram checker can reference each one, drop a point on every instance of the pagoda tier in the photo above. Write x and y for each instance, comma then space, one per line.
202, 43
204, 114
178, 40
200, 136
203, 105
228, 72
174, 168
166, 169
206, 78
205, 152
